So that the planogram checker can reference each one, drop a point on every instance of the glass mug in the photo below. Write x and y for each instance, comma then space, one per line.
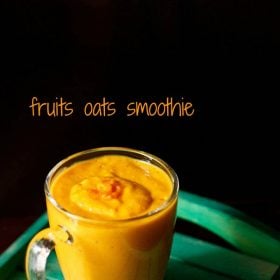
88, 248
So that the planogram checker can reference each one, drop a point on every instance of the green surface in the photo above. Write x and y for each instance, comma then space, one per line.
243, 232
191, 258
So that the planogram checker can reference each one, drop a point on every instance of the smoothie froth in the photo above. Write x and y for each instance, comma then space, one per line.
111, 187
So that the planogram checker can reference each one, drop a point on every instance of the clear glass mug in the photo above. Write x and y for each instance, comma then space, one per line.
133, 248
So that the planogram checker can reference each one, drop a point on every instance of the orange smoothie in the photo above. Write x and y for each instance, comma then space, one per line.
118, 212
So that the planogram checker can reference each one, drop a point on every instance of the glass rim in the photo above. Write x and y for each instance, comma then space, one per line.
111, 150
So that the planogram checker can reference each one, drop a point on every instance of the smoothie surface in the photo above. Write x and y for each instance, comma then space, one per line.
111, 187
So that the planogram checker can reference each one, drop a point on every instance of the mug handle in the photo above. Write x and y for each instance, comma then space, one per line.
40, 248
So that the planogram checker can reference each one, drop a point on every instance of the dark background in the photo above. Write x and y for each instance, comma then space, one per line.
223, 56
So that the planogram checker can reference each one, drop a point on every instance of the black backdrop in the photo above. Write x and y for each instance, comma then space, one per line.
220, 55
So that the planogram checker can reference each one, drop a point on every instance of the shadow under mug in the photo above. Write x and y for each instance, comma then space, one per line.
133, 248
